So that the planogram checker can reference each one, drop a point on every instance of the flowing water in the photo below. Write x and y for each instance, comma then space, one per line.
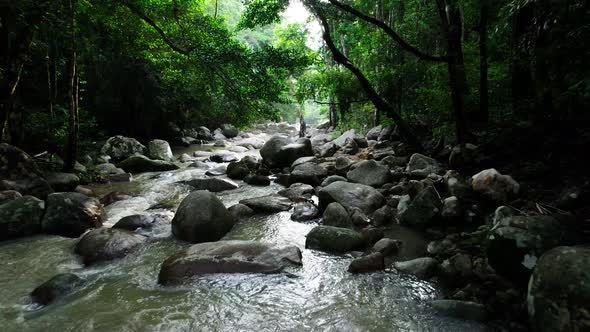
124, 295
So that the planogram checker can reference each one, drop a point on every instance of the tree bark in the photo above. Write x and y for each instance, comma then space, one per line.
72, 147
484, 113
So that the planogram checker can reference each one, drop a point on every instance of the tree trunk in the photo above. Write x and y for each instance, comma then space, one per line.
333, 115
48, 64
484, 112
72, 147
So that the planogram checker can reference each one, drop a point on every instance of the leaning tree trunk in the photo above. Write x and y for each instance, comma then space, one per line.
72, 148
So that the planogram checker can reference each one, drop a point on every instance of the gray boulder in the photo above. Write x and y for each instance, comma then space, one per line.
331, 179
204, 133
369, 173
160, 149
9, 196
386, 246
201, 217
18, 171
373, 134
55, 288
334, 239
291, 152
105, 244
319, 140
341, 141
268, 204
133, 222
422, 210
494, 185
63, 181
460, 309
368, 263
350, 147
238, 170
240, 211
559, 291
21, 217
257, 180
108, 169
304, 211
337, 216
452, 208
227, 257
229, 130
72, 214
140, 163
217, 171
351, 195
121, 147
297, 190
421, 165
308, 173
423, 268
327, 150
212, 184
270, 152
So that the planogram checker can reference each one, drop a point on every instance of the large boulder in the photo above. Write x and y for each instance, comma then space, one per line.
240, 211
308, 173
319, 140
559, 291
304, 211
56, 288
327, 150
373, 134
351, 195
422, 210
160, 149
121, 147
140, 163
63, 181
9, 196
229, 130
421, 165
238, 170
369, 173
423, 268
341, 141
334, 239
296, 191
201, 217
212, 184
223, 156
18, 171
136, 221
516, 242
368, 263
105, 244
21, 217
494, 185
291, 152
270, 152
227, 257
204, 133
337, 216
268, 204
72, 214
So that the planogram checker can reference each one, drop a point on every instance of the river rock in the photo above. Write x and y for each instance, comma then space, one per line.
291, 152
57, 287
422, 210
297, 190
9, 196
217, 171
223, 156
238, 170
114, 196
351, 195
373, 134
212, 184
160, 149
133, 222
304, 211
105, 244
308, 173
121, 147
327, 150
336, 215
204, 133
21, 217
515, 243
18, 171
559, 291
140, 163
257, 180
304, 160
494, 185
386, 246
421, 165
369, 173
463, 156
452, 208
63, 181
227, 257
270, 152
72, 214
350, 147
318, 140
331, 179
460, 309
268, 204
108, 169
240, 211
423, 268
343, 164
456, 185
229, 130
201, 217
368, 263
341, 141
334, 239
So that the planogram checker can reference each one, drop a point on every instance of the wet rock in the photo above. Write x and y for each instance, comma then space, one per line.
121, 147
385, 215
229, 131
268, 204
501, 213
105, 244
72, 214
238, 170
373, 134
351, 195
9, 196
55, 288
369, 173
350, 146
201, 217
103, 159
238, 149
114, 196
343, 165
223, 157
456, 185
460, 309
369, 263
303, 160
394, 161
21, 217
304, 211
140, 164
421, 165
217, 135
297, 190
257, 180
422, 210
199, 164
386, 133
359, 219
423, 268
227, 257
327, 150
252, 142
463, 156
133, 222
270, 152
372, 235
291, 152
108, 170
319, 140
559, 291
333, 239
494, 185
383, 153
220, 143
386, 246
204, 133
160, 149
457, 267
212, 184
515, 243
452, 208
63, 181
240, 211
217, 171
331, 179
308, 173
341, 141
18, 171
337, 216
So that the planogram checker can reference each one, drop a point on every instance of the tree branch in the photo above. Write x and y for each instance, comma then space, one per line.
390, 32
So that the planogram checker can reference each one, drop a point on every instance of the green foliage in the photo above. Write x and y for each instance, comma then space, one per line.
262, 12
